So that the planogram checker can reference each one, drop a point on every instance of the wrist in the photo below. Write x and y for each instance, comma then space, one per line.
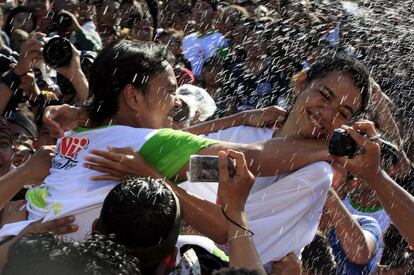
373, 176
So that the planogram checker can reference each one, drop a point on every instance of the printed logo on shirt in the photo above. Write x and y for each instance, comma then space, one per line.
67, 152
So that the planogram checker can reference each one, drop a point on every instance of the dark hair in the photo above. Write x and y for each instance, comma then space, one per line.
144, 215
317, 256
236, 271
47, 254
345, 64
213, 3
121, 63
395, 252
20, 9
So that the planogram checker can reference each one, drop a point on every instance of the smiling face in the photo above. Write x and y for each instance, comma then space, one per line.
160, 101
324, 104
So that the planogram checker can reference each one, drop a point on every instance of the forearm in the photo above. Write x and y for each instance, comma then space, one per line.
277, 155
216, 125
81, 86
348, 232
387, 123
4, 253
242, 248
397, 202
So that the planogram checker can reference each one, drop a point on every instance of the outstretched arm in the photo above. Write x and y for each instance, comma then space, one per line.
359, 247
269, 116
397, 202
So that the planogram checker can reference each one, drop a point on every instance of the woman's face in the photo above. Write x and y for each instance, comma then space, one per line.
24, 22
325, 104
160, 101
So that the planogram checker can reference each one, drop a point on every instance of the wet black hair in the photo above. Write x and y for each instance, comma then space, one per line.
214, 4
345, 64
121, 63
317, 256
47, 254
20, 9
144, 215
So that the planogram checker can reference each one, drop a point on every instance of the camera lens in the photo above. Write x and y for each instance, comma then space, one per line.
341, 144
57, 52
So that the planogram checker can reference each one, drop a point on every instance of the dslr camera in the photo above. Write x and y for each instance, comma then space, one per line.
341, 144
57, 51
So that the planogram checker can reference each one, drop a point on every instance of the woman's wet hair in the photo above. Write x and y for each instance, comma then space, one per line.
117, 65
344, 64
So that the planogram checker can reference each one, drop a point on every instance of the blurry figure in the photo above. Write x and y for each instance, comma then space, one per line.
205, 42
6, 147
213, 76
22, 153
17, 39
20, 18
197, 106
175, 14
22, 126
232, 23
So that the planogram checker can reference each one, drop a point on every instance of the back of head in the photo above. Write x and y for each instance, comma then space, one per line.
144, 215
317, 256
121, 63
46, 254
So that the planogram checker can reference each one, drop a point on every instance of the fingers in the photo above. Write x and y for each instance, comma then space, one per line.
124, 150
365, 126
114, 157
57, 226
223, 167
54, 128
241, 164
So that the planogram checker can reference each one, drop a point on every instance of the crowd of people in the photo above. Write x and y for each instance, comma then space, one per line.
306, 106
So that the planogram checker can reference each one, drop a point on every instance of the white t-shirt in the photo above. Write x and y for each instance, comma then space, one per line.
197, 49
68, 189
284, 210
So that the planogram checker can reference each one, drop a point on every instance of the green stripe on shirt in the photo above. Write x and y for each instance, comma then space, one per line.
169, 150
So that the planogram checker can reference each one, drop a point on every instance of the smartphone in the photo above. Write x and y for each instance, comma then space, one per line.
206, 168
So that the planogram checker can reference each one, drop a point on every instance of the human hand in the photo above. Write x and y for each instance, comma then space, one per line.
29, 86
38, 165
74, 69
13, 211
59, 226
61, 118
290, 264
265, 117
75, 26
118, 163
233, 191
367, 163
30, 53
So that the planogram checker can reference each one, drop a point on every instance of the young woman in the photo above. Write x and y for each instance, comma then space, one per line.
133, 85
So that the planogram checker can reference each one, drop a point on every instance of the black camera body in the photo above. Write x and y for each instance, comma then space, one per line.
57, 51
341, 144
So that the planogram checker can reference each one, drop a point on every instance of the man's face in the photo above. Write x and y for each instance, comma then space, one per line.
41, 7
325, 104
175, 15
160, 100
6, 153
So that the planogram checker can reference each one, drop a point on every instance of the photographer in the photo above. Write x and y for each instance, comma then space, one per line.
13, 81
398, 203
